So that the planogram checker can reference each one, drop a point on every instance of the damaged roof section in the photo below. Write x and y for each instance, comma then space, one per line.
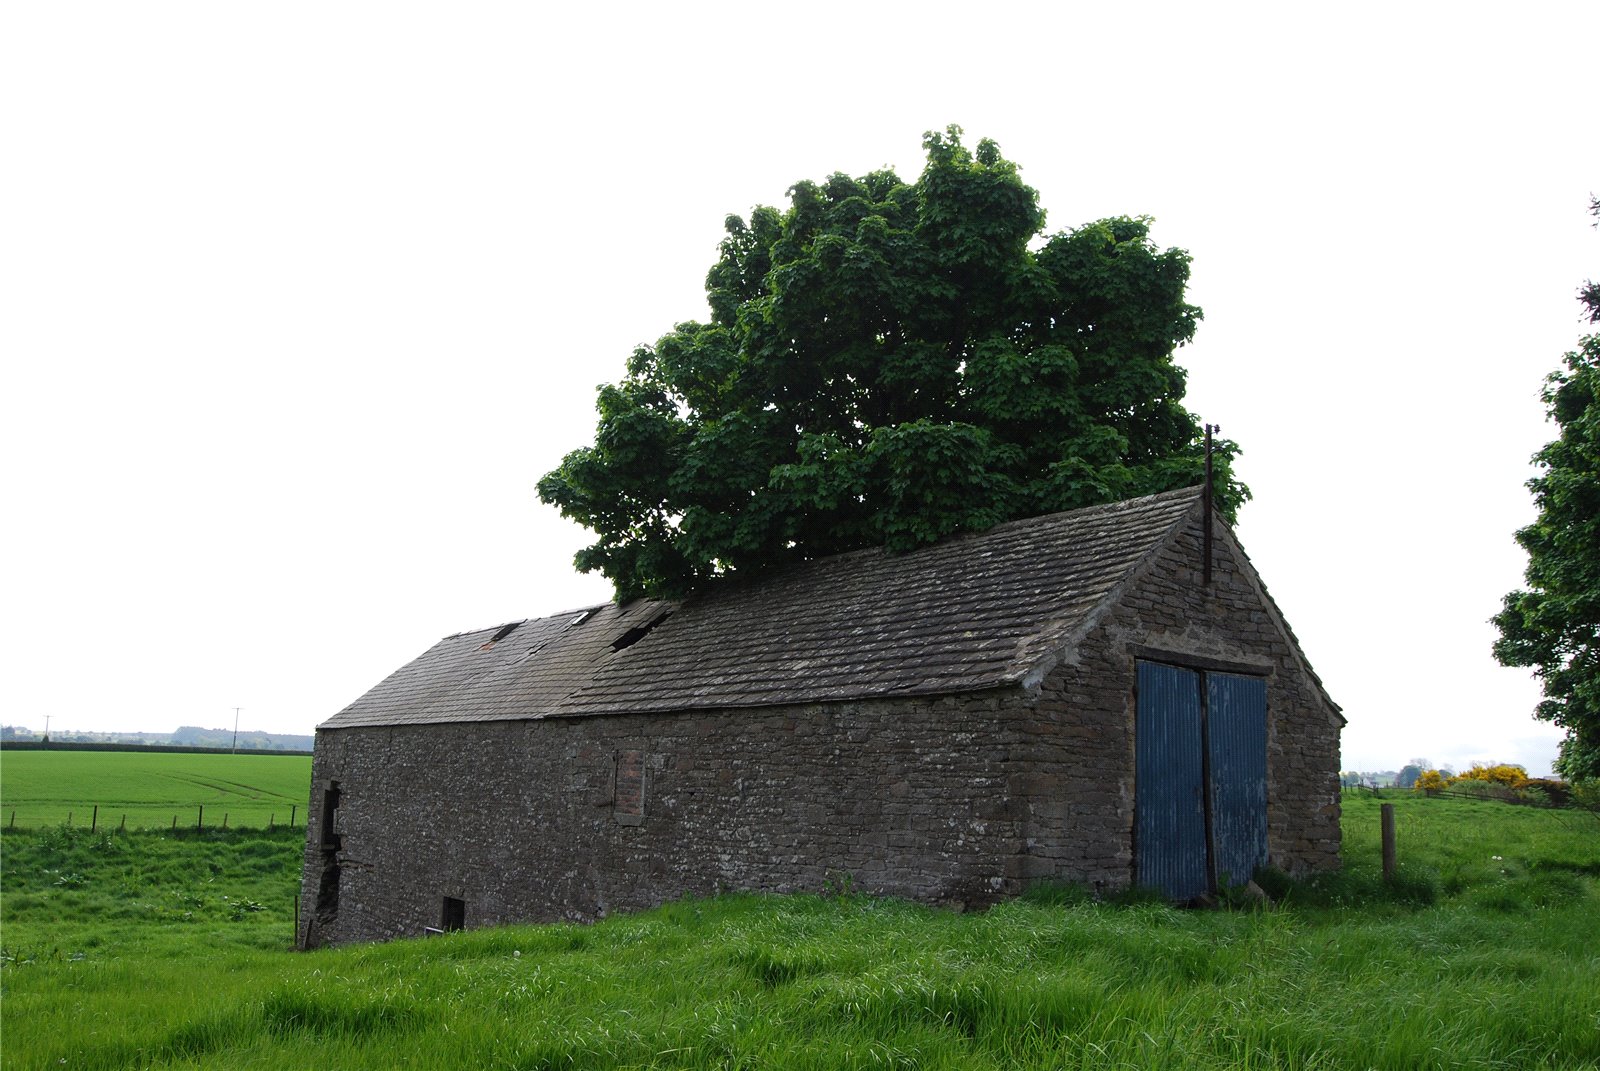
974, 612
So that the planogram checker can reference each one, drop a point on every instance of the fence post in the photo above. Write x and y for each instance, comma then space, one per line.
224, 819
94, 819
123, 825
174, 823
200, 816
292, 809
69, 819
13, 818
1386, 813
270, 818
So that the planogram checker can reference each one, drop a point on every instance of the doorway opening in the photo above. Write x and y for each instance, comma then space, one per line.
1200, 779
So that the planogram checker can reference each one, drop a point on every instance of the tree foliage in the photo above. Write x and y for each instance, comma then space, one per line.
1554, 625
1412, 770
887, 363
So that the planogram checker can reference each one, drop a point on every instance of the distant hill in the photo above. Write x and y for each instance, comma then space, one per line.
194, 736
185, 736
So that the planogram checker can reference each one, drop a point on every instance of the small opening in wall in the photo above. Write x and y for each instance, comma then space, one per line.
328, 893
453, 916
330, 813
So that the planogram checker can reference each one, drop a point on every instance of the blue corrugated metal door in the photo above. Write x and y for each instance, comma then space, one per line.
1169, 812
1236, 740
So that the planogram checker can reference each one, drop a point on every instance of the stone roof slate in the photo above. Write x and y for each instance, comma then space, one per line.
973, 612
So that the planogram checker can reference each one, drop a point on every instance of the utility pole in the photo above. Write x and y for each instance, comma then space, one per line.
236, 729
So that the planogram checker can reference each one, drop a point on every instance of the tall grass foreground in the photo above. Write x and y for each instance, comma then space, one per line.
153, 951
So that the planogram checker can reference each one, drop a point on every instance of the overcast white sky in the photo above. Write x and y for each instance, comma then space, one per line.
298, 301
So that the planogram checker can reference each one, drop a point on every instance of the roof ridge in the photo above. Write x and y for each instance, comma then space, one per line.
1054, 651
489, 628
740, 579
965, 614
528, 620
732, 580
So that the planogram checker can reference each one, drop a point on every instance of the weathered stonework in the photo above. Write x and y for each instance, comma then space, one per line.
957, 799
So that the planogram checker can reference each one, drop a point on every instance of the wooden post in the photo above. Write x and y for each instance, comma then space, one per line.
1386, 812
69, 819
123, 825
13, 818
94, 819
270, 819
200, 816
174, 823
292, 808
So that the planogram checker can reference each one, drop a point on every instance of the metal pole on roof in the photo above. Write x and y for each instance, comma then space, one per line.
1206, 552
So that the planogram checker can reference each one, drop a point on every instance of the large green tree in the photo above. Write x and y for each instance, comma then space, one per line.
1554, 626
887, 363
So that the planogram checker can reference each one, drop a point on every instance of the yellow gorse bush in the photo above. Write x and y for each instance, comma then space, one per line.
1502, 774
1430, 781
1507, 774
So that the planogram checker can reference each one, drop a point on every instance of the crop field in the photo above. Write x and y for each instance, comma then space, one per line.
160, 950
147, 789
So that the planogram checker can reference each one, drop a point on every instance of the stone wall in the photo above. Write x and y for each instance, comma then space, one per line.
957, 800
520, 820
1233, 623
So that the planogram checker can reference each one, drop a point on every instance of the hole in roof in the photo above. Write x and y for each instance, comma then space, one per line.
638, 632
501, 633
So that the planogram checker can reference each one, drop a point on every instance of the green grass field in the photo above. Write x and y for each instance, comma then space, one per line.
151, 789
151, 950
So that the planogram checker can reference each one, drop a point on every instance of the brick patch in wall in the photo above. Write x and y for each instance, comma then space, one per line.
628, 797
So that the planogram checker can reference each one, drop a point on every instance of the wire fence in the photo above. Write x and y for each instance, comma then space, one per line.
95, 817
1572, 807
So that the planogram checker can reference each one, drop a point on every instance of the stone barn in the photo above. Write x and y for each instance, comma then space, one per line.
1079, 697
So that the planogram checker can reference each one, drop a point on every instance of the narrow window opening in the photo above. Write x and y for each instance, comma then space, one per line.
330, 821
453, 915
